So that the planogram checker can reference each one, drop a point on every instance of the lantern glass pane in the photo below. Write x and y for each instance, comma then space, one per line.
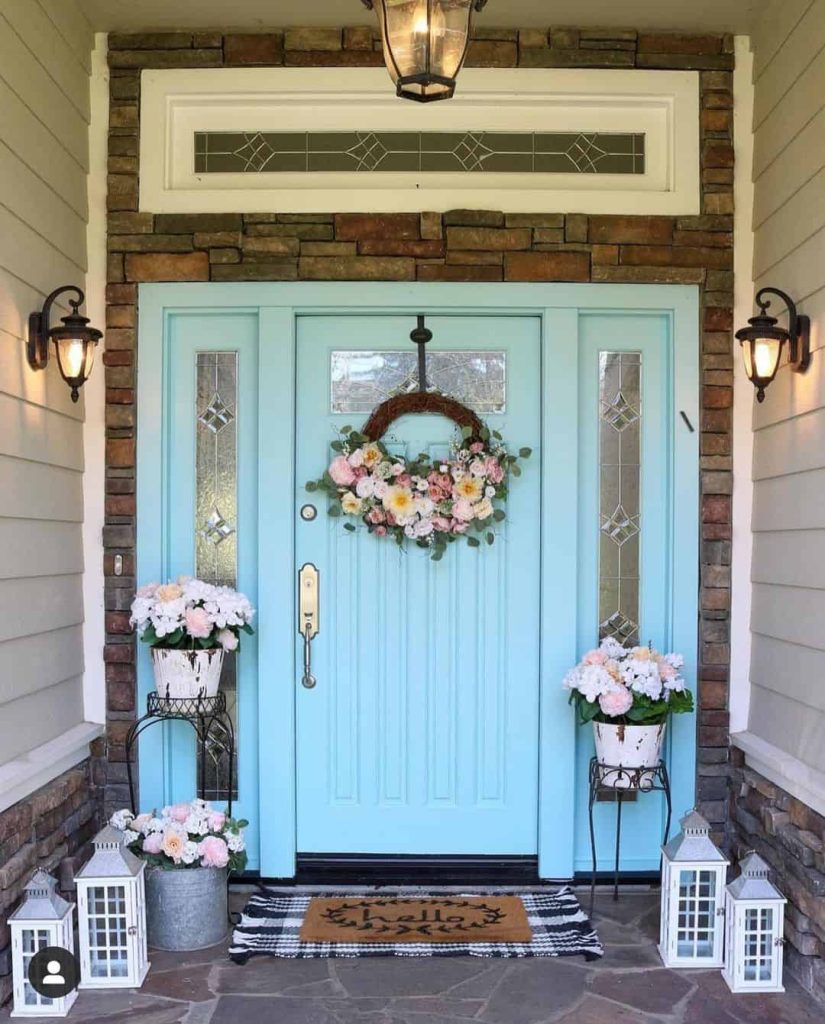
448, 36
758, 945
406, 36
697, 914
33, 940
766, 353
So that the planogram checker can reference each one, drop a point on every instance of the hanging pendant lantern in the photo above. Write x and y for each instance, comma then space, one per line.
425, 43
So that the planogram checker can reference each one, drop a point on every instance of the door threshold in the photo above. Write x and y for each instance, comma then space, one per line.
382, 869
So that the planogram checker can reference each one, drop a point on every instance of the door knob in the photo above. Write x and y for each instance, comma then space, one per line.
308, 625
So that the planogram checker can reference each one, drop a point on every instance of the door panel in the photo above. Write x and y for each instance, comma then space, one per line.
422, 734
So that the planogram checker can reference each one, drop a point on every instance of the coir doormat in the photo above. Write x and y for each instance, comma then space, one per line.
416, 919
271, 925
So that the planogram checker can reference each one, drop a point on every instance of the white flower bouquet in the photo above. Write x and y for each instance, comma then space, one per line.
628, 686
190, 615
186, 835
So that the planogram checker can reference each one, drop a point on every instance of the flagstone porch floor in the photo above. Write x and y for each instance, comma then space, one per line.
628, 986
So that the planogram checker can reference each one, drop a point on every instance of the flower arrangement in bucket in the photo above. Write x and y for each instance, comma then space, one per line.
189, 625
189, 848
628, 693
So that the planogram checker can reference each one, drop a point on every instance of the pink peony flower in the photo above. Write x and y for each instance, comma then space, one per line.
153, 842
380, 531
616, 702
463, 510
228, 640
180, 812
198, 623
476, 447
437, 493
457, 526
360, 472
341, 471
214, 852
403, 480
441, 523
595, 657
494, 472
376, 516
478, 467
217, 820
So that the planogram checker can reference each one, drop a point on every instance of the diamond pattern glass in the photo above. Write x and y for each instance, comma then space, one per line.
439, 152
216, 547
620, 411
362, 380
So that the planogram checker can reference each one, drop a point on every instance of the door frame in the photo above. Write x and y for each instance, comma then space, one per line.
558, 306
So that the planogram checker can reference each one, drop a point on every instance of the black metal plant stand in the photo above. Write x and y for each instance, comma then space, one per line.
203, 714
621, 781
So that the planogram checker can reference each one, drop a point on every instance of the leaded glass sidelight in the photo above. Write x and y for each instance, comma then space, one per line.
620, 421
216, 514
362, 380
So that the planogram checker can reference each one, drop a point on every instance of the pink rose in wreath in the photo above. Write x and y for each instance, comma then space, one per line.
494, 471
341, 471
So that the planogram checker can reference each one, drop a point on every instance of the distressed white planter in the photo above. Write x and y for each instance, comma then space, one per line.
187, 673
628, 746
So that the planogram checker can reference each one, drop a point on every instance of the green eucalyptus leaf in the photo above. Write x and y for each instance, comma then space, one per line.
349, 527
525, 453
474, 542
312, 486
515, 470
337, 446
334, 511
345, 430
491, 537
499, 515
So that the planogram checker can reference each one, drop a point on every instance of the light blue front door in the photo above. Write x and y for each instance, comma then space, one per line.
421, 736
438, 725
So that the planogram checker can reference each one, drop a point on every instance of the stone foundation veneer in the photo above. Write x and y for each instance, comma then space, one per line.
462, 245
51, 829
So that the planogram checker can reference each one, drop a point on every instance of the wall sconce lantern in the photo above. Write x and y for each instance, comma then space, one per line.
74, 341
762, 341
425, 43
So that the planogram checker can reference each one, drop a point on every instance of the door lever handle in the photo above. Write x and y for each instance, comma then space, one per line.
308, 625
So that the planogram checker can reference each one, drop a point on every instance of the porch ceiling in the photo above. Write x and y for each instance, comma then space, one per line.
697, 16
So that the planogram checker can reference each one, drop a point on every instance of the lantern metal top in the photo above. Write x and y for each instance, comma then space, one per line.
111, 859
694, 843
42, 902
754, 882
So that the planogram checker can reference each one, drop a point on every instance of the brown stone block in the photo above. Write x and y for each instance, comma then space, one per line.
251, 48
217, 239
713, 736
150, 243
631, 230
212, 58
717, 101
564, 38
351, 227
475, 258
458, 272
122, 192
532, 38
486, 53
119, 654
118, 622
534, 220
717, 154
714, 120
358, 37
716, 444
124, 87
118, 358
123, 115
357, 268
120, 294
261, 249
713, 694
150, 41
224, 256
649, 275
717, 398
605, 255
559, 58
684, 61
716, 508
474, 218
548, 236
718, 202
716, 319
676, 256
193, 266
120, 696
119, 396
122, 165
547, 266
429, 249
310, 231
120, 452
338, 59
666, 42
509, 35
120, 337
431, 226
312, 39
716, 419
330, 248
713, 80
189, 223
120, 417
489, 238
706, 239
575, 227
207, 40
272, 270
120, 505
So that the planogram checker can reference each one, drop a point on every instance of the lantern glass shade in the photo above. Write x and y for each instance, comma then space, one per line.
425, 43
755, 913
112, 916
75, 344
43, 919
761, 357
693, 881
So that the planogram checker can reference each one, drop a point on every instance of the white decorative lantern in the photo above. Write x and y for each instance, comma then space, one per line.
755, 914
693, 882
112, 915
43, 919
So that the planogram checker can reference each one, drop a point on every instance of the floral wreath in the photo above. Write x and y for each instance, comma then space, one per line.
431, 503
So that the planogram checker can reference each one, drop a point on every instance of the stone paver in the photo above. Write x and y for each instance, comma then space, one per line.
628, 986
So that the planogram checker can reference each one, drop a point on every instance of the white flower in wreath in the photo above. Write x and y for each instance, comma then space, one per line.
351, 504
409, 531
477, 467
489, 491
463, 510
424, 527
365, 487
424, 506
484, 509
383, 470
371, 455
380, 488
421, 485
356, 458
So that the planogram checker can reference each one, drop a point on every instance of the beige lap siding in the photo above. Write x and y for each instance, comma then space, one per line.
463, 245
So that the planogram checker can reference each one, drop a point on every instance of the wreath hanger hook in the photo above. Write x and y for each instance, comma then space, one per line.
421, 335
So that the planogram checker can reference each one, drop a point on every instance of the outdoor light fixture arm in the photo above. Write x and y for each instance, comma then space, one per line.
37, 348
799, 328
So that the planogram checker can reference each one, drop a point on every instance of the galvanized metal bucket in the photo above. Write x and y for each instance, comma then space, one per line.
186, 908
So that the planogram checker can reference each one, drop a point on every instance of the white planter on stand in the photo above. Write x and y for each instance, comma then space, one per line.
187, 673
628, 746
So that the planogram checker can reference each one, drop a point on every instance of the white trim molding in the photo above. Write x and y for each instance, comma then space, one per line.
176, 103
24, 774
802, 781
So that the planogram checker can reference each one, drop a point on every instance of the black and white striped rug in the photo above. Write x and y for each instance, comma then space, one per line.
271, 921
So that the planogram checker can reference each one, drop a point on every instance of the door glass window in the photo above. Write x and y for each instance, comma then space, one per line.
620, 415
362, 380
216, 548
